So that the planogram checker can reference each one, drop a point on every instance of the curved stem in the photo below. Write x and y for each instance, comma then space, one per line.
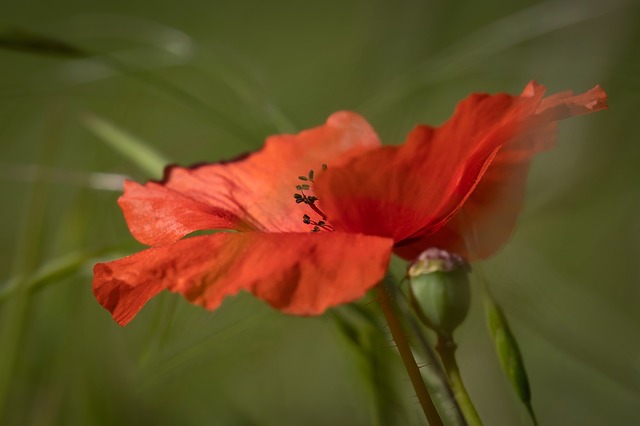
390, 313
446, 349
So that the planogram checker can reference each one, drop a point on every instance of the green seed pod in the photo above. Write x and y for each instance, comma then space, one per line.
508, 353
439, 290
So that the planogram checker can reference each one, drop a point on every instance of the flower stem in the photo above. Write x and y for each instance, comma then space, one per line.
398, 334
446, 349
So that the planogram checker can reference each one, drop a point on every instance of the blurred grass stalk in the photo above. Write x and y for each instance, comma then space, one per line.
28, 41
49, 273
361, 331
27, 255
132, 148
33, 172
501, 35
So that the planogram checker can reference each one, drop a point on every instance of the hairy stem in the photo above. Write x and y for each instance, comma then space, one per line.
390, 312
446, 349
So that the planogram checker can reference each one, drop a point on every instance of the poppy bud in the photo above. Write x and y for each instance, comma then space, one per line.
439, 290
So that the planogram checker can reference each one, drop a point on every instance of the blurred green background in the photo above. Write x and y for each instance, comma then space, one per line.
203, 81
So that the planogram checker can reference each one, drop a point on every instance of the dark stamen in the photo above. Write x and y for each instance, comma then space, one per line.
310, 200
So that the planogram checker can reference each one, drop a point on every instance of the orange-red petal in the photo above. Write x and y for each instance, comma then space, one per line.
255, 192
489, 215
302, 274
157, 214
409, 191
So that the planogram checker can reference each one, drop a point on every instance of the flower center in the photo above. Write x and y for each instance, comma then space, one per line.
310, 200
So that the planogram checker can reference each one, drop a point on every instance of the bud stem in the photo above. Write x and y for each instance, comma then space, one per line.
397, 332
446, 348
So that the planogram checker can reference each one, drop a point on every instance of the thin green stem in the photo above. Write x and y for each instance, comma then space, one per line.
432, 372
397, 332
446, 349
436, 378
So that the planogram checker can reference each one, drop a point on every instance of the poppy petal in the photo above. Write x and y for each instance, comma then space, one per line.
158, 215
408, 191
565, 104
301, 274
253, 192
489, 215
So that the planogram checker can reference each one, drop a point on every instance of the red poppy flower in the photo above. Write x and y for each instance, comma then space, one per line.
467, 175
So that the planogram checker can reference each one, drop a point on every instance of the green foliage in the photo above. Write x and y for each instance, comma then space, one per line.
361, 330
508, 352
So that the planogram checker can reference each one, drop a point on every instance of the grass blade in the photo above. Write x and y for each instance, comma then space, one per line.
21, 40
132, 148
51, 272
